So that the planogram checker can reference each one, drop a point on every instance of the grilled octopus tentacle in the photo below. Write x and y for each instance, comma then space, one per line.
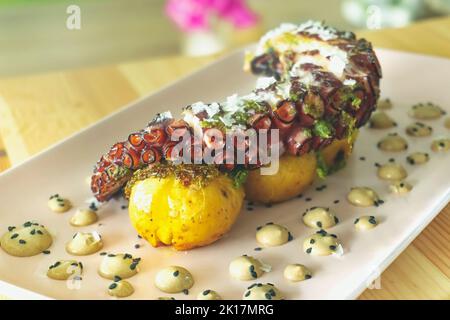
318, 94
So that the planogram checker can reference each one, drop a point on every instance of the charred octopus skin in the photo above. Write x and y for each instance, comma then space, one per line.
340, 72
320, 85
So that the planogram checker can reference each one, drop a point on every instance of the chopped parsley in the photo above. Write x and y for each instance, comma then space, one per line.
323, 170
323, 129
356, 102
239, 176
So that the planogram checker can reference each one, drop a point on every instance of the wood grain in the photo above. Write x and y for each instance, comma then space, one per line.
37, 111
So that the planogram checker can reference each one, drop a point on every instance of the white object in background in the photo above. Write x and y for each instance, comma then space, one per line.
201, 43
376, 14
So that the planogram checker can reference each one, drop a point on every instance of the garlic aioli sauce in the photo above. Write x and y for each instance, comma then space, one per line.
26, 240
83, 243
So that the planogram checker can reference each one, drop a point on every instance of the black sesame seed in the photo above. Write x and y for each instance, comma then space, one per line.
57, 263
27, 224
33, 232
308, 199
111, 255
258, 228
133, 265
103, 253
137, 246
308, 250
336, 220
322, 232
333, 248
39, 232
123, 207
206, 292
391, 160
15, 235
127, 256
11, 228
21, 241
312, 241
251, 268
333, 235
176, 273
290, 237
113, 286
253, 285
272, 292
46, 252
254, 274
319, 224
336, 201
247, 293
377, 165
308, 276
356, 221
258, 249
81, 265
186, 291
268, 296
117, 278
362, 158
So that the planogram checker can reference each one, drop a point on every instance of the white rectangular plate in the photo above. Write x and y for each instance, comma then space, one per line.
408, 79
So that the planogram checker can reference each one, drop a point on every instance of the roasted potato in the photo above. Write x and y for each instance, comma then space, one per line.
294, 175
166, 211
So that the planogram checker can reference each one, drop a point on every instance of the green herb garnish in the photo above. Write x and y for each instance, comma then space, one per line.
323, 129
239, 176
323, 170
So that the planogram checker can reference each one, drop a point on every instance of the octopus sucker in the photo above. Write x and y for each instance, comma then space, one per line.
323, 84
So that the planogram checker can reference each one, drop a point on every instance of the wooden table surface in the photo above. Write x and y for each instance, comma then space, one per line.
39, 110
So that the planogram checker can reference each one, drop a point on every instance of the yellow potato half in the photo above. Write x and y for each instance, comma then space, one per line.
294, 175
165, 211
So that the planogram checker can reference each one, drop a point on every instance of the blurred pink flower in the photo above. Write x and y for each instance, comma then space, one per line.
191, 15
